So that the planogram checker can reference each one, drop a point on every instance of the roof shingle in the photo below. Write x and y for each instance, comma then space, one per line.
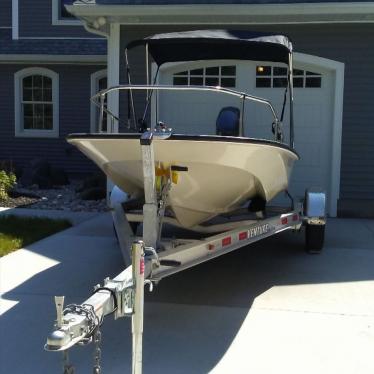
50, 46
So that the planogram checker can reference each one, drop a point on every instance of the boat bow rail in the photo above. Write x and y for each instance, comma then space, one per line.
100, 99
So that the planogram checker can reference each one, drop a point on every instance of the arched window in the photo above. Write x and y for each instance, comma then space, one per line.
36, 103
99, 81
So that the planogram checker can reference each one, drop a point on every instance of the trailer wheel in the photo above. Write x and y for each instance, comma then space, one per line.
314, 238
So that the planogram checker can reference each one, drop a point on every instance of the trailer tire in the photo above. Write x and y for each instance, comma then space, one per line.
314, 238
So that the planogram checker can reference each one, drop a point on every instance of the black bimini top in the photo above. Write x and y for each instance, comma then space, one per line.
216, 45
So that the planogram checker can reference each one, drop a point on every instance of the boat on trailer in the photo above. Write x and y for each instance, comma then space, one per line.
191, 181
250, 168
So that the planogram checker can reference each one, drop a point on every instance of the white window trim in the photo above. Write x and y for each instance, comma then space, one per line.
19, 130
57, 21
95, 77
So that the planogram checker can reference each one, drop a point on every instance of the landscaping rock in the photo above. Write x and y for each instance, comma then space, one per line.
62, 198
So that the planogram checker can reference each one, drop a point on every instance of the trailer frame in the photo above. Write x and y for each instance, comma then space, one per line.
150, 258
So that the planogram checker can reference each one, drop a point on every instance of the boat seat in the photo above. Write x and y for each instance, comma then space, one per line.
227, 123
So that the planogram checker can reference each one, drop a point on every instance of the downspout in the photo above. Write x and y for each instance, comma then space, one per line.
91, 29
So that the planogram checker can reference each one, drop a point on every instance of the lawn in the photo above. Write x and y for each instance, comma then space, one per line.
17, 232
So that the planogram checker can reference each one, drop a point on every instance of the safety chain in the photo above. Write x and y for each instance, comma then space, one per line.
93, 334
97, 351
68, 367
86, 310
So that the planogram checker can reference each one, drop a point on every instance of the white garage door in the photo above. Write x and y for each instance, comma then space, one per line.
196, 113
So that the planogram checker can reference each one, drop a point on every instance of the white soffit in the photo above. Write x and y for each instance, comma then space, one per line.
227, 14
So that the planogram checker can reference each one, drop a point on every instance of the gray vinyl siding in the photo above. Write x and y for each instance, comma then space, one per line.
6, 13
35, 20
74, 115
350, 44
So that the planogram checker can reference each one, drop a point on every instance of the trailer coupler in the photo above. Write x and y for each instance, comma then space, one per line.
122, 296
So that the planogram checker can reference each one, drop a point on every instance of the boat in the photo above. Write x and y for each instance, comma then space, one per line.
201, 176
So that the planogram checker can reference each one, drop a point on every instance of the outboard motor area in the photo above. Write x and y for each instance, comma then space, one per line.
227, 123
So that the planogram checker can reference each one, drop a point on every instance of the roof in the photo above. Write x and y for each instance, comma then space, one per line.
216, 44
50, 46
176, 2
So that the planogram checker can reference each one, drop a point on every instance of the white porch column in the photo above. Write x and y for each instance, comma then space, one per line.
113, 63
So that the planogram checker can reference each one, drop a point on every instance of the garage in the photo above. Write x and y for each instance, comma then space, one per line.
316, 96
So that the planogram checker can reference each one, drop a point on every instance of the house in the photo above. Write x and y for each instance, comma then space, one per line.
49, 67
334, 120
333, 78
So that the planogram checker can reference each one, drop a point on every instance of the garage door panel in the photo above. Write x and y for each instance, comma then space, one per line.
312, 116
193, 113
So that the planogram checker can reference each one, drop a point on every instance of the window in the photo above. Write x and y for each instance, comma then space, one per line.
60, 16
36, 103
99, 81
224, 76
276, 77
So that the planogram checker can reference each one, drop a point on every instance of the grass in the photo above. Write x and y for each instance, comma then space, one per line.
17, 232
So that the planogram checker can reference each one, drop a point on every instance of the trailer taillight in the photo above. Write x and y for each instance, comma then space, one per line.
226, 241
243, 235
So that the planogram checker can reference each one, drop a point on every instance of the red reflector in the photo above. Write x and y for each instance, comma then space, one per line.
295, 217
210, 247
226, 241
284, 220
243, 235
142, 266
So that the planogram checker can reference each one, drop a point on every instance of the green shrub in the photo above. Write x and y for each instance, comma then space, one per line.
7, 182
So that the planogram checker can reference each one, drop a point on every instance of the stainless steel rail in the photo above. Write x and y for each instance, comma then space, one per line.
98, 99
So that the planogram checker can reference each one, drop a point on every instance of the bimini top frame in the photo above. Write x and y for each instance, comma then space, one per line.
216, 45
219, 45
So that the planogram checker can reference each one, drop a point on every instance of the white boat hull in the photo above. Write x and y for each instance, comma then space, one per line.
222, 174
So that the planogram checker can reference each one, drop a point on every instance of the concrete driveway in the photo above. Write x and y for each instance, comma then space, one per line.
268, 308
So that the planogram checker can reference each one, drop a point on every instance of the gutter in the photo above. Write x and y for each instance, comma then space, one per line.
227, 13
62, 59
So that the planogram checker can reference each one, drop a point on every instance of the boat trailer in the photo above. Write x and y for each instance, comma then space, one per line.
151, 258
